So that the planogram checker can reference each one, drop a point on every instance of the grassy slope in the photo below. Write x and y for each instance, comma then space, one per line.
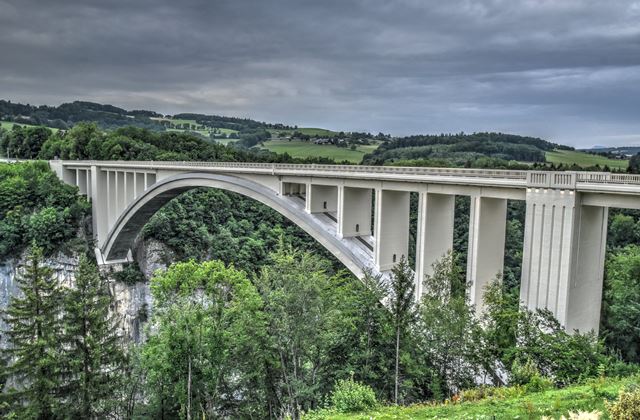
584, 159
534, 405
7, 125
304, 149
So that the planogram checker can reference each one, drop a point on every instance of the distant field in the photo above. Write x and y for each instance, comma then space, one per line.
310, 131
584, 159
303, 149
8, 125
205, 133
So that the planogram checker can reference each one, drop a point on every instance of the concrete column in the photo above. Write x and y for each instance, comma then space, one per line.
129, 188
485, 257
69, 176
139, 184
111, 198
321, 199
149, 180
354, 211
120, 193
99, 204
563, 258
434, 234
81, 178
585, 288
391, 228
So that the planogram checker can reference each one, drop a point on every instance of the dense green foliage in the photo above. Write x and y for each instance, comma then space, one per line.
34, 335
351, 396
65, 358
621, 309
92, 359
206, 349
634, 164
36, 206
280, 341
239, 231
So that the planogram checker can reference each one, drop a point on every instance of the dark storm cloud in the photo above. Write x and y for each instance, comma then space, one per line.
568, 70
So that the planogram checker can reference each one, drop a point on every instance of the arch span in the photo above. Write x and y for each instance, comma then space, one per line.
129, 224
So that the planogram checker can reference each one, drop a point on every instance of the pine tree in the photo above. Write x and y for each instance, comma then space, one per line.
34, 330
402, 305
93, 354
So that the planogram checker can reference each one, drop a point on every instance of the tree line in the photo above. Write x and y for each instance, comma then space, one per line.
271, 344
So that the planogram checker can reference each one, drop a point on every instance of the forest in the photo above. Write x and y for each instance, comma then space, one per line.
254, 319
459, 149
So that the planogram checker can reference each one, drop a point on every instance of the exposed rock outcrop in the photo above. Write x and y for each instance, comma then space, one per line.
132, 302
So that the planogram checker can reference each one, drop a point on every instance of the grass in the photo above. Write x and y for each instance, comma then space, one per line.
303, 149
584, 159
554, 402
8, 125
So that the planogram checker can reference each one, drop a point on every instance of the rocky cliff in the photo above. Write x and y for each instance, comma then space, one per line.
132, 302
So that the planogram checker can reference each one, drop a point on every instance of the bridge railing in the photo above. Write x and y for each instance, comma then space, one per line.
542, 179
490, 173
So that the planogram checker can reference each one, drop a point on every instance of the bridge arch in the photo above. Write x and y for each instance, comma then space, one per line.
129, 224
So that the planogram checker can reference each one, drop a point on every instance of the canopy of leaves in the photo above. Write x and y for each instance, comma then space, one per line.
36, 206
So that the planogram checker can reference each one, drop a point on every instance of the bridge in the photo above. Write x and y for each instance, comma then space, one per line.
361, 214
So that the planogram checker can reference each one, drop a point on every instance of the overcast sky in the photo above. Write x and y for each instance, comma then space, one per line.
565, 70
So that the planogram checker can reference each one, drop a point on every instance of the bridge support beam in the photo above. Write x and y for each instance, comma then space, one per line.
487, 233
99, 204
293, 188
434, 234
391, 228
354, 211
563, 259
321, 199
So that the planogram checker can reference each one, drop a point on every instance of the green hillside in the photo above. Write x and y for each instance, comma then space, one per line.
303, 149
8, 125
506, 403
571, 157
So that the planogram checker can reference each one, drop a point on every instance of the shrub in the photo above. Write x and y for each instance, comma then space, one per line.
627, 407
351, 396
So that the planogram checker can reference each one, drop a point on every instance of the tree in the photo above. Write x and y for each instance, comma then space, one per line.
34, 341
501, 314
93, 356
301, 313
203, 354
621, 311
447, 329
402, 305
634, 164
363, 346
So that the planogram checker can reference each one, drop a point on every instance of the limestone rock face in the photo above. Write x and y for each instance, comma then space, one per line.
132, 302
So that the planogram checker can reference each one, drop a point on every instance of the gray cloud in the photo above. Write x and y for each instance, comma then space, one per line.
564, 70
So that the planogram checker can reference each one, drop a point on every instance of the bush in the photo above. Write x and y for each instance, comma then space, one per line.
627, 407
351, 396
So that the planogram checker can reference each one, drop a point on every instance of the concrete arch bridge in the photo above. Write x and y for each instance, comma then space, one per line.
361, 214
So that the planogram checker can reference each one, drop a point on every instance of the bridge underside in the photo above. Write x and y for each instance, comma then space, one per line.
354, 254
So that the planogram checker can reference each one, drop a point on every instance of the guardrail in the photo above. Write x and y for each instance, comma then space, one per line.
540, 179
